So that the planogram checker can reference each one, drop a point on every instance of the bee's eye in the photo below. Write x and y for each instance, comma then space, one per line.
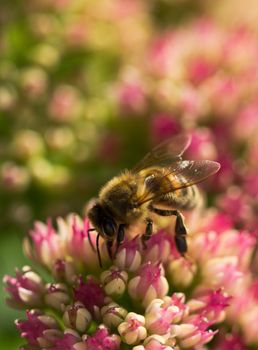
108, 227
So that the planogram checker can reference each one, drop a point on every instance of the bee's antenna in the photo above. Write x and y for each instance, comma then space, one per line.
89, 238
99, 257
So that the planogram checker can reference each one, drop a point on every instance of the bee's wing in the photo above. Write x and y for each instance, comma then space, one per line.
165, 153
179, 175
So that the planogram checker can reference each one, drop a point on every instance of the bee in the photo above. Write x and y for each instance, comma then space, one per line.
161, 178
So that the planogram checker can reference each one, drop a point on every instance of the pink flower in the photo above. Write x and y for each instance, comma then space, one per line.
225, 273
150, 283
26, 289
193, 332
90, 294
181, 272
75, 233
102, 340
199, 69
129, 256
210, 304
64, 271
39, 329
133, 330
131, 95
160, 247
161, 313
154, 343
202, 145
163, 126
67, 342
47, 244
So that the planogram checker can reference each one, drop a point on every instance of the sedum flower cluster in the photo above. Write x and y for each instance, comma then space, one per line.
146, 298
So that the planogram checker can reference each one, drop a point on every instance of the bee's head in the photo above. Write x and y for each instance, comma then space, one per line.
103, 222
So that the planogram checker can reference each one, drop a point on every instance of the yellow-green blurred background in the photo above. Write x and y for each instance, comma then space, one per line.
88, 86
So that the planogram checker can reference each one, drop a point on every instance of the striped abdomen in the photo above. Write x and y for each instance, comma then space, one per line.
169, 190
185, 198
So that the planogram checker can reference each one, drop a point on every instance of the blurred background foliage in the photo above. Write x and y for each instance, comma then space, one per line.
87, 87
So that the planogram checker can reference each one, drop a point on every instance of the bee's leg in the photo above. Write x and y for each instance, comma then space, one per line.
89, 238
120, 237
148, 232
99, 257
180, 229
109, 245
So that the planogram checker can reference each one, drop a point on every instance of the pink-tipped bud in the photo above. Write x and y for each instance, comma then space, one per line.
149, 284
133, 330
47, 245
128, 256
159, 247
101, 339
193, 332
154, 342
113, 314
64, 271
224, 271
161, 313
25, 290
57, 295
37, 329
181, 272
211, 304
77, 317
70, 339
114, 281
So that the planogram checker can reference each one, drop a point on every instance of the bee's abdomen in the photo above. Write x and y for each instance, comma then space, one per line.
184, 198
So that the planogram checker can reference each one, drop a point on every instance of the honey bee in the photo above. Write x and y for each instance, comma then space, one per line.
161, 178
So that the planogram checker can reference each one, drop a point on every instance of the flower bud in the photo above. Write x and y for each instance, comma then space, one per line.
154, 342
64, 271
47, 244
132, 330
70, 339
211, 304
225, 272
114, 281
128, 256
56, 295
159, 247
148, 284
113, 314
101, 339
77, 317
161, 313
37, 329
193, 332
181, 272
26, 289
